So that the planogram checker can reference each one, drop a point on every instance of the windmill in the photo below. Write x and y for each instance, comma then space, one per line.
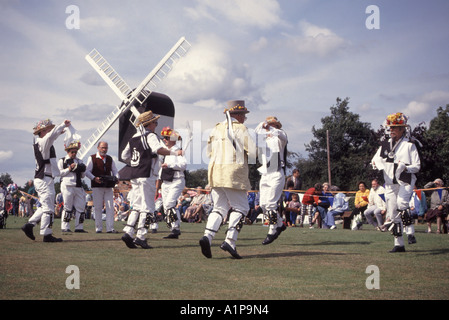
131, 100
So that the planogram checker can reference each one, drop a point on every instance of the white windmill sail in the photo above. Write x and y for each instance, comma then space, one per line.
129, 97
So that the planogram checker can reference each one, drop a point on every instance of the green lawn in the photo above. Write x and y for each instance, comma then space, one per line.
302, 264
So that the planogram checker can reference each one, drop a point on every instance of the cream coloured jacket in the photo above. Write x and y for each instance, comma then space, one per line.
228, 159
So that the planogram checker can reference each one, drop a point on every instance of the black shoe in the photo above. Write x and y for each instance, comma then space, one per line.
280, 229
50, 238
28, 229
112, 231
128, 241
411, 239
269, 239
142, 243
80, 230
398, 249
227, 247
66, 230
205, 247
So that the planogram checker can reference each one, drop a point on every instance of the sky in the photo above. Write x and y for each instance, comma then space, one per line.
286, 58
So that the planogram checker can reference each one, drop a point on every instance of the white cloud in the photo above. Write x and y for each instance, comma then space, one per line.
315, 40
423, 107
6, 155
260, 44
261, 14
100, 24
208, 72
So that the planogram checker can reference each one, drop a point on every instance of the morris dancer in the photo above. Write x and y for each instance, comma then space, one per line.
399, 159
272, 174
228, 148
72, 171
173, 181
141, 154
46, 170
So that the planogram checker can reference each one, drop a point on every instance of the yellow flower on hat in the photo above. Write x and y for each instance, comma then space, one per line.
397, 119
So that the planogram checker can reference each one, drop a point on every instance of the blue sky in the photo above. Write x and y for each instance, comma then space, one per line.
286, 58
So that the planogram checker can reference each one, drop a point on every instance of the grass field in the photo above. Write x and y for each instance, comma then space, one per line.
303, 264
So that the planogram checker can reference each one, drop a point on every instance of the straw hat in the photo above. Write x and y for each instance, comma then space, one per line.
167, 132
42, 125
236, 106
397, 120
273, 121
75, 144
146, 118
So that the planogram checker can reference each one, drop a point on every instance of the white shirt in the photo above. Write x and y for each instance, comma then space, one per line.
276, 141
178, 163
405, 154
90, 166
44, 145
68, 177
375, 200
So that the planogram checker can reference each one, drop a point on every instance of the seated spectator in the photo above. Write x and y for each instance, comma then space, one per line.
191, 213
308, 205
361, 201
121, 214
255, 210
323, 203
183, 202
439, 205
285, 199
376, 205
338, 207
206, 206
418, 203
292, 209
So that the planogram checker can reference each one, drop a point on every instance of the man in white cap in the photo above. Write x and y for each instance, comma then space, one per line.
230, 148
399, 159
141, 154
173, 181
45, 172
72, 171
273, 157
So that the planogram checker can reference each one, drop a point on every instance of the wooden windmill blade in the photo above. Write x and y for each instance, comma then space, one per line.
129, 97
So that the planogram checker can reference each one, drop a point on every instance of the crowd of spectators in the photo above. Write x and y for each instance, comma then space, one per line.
319, 206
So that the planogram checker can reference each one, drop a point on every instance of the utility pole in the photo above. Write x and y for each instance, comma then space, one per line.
328, 160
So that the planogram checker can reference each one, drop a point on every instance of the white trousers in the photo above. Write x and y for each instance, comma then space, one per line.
171, 191
45, 189
75, 201
376, 212
224, 199
397, 198
103, 197
144, 191
270, 187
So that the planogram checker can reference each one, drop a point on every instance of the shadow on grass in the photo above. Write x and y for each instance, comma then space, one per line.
336, 243
431, 252
286, 255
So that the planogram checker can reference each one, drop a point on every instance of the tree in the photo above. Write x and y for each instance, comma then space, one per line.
435, 147
352, 144
6, 179
196, 178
